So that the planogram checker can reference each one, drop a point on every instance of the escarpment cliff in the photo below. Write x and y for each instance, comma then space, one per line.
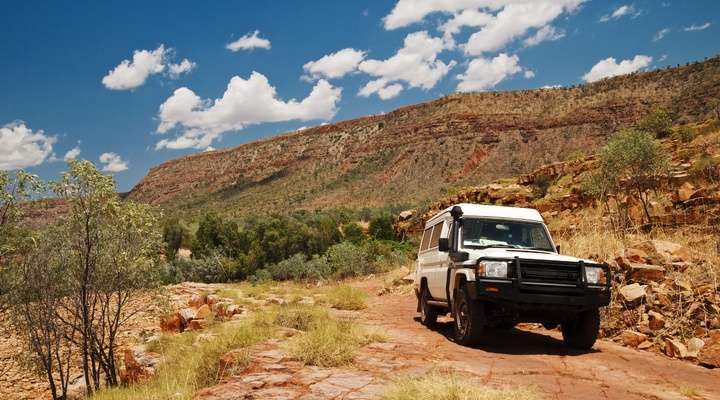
419, 152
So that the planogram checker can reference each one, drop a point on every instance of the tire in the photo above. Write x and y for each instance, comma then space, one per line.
469, 318
428, 313
581, 332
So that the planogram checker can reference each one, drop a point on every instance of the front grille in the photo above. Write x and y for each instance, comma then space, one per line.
547, 272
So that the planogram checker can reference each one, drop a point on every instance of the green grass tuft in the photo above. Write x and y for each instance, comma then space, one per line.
346, 297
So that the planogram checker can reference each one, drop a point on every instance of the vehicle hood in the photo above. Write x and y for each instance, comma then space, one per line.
523, 255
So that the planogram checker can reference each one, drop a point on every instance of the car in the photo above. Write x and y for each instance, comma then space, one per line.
494, 267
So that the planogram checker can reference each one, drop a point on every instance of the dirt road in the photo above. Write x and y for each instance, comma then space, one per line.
529, 356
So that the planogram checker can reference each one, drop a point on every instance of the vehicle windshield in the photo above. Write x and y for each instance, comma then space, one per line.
483, 233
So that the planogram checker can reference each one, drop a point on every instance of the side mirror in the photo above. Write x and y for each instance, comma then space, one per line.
444, 245
557, 247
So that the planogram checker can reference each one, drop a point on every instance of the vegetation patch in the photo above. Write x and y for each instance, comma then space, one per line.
190, 362
448, 386
332, 343
346, 297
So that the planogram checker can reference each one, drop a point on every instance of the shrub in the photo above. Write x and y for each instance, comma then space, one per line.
541, 185
353, 233
658, 123
261, 275
301, 317
381, 227
706, 167
346, 260
447, 386
685, 134
346, 297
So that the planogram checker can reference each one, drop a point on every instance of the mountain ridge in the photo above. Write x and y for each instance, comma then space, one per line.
417, 152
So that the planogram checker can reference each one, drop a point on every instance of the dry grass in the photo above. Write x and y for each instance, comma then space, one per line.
189, 364
346, 297
447, 386
328, 342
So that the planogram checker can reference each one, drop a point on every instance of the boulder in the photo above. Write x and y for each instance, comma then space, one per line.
636, 256
197, 300
661, 252
172, 323
633, 292
203, 312
213, 299
632, 338
133, 371
675, 348
187, 314
405, 215
656, 321
685, 191
645, 273
709, 355
198, 324
694, 346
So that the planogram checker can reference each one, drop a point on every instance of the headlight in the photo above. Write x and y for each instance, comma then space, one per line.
595, 275
492, 269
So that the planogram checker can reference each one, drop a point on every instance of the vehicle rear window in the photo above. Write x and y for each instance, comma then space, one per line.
426, 239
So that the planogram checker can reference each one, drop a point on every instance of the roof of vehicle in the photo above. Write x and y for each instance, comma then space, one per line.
489, 211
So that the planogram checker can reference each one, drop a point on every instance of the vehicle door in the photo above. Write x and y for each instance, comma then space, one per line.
436, 262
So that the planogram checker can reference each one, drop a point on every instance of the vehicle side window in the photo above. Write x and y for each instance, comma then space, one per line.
426, 239
435, 239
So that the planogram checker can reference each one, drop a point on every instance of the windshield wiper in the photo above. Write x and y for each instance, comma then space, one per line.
500, 246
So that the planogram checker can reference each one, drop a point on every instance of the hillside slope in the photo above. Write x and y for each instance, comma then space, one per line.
418, 152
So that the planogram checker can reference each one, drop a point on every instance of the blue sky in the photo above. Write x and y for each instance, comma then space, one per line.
189, 82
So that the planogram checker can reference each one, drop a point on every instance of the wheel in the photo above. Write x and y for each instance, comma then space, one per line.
582, 331
428, 313
469, 318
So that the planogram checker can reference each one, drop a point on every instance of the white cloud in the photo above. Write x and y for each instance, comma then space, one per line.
469, 17
659, 35
112, 162
415, 63
248, 42
692, 28
20, 147
185, 66
72, 154
501, 21
546, 33
245, 102
381, 87
484, 73
335, 65
209, 148
529, 74
131, 74
609, 67
622, 11
514, 20
551, 87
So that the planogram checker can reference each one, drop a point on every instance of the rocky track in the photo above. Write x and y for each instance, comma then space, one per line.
537, 357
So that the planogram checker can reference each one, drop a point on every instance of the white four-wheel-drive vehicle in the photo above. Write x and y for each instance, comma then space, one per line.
492, 266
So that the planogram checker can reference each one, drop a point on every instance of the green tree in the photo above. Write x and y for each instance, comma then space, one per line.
381, 227
658, 122
175, 235
353, 233
631, 164
113, 249
541, 185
